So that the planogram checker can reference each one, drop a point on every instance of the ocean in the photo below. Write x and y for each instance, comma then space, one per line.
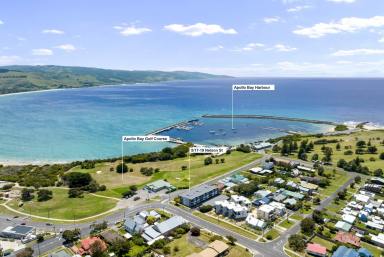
87, 123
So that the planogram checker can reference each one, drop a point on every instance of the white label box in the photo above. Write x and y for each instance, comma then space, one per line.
208, 150
255, 87
148, 138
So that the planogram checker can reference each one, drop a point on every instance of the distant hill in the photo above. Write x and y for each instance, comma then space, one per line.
14, 79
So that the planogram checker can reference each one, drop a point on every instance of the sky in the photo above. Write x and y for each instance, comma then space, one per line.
307, 38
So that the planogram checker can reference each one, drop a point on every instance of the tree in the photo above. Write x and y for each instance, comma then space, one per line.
315, 157
44, 195
372, 149
317, 217
378, 173
357, 179
27, 252
97, 227
121, 168
97, 249
77, 179
296, 243
40, 238
166, 250
231, 239
120, 247
205, 208
217, 161
307, 226
151, 220
381, 156
207, 161
27, 194
75, 193
338, 147
195, 231
71, 235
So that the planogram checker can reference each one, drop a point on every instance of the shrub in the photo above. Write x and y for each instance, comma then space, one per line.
205, 208
195, 231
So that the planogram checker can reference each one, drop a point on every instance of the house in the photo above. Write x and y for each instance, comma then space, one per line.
266, 212
295, 173
279, 197
135, 224
169, 225
292, 184
373, 188
256, 170
18, 232
280, 209
261, 146
378, 181
238, 179
86, 245
343, 251
348, 218
268, 165
378, 240
151, 235
316, 250
313, 180
343, 226
310, 186
152, 213
254, 222
348, 238
361, 198
215, 249
363, 252
242, 200
262, 193
109, 236
374, 225
292, 194
261, 201
290, 203
159, 185
306, 169
231, 209
198, 195
279, 181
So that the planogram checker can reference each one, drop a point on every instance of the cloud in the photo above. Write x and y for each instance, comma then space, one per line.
298, 8
1, 22
198, 29
284, 48
66, 47
52, 31
131, 30
361, 51
250, 47
42, 52
9, 59
348, 24
381, 40
273, 19
342, 1
216, 48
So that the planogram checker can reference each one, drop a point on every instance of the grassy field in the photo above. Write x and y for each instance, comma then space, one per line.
184, 247
339, 179
62, 207
376, 137
376, 251
238, 251
287, 223
226, 225
273, 233
170, 170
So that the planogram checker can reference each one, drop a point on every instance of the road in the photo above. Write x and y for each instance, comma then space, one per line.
273, 248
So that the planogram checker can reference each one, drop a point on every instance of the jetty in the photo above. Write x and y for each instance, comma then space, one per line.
180, 125
268, 117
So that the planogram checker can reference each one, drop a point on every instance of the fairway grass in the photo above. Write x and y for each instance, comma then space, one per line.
169, 170
62, 207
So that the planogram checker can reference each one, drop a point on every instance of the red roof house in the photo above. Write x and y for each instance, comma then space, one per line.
316, 250
348, 238
87, 243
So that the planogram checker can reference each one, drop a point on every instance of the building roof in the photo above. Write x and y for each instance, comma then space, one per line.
290, 201
198, 191
343, 251
293, 194
263, 193
109, 236
19, 229
378, 239
151, 233
349, 218
364, 252
342, 225
316, 248
159, 184
348, 238
169, 224
266, 208
218, 246
309, 185
88, 242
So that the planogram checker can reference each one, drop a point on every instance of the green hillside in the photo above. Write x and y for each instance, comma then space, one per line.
15, 79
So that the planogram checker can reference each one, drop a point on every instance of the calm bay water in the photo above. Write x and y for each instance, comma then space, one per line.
88, 123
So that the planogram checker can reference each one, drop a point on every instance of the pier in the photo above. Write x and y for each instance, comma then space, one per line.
268, 117
181, 124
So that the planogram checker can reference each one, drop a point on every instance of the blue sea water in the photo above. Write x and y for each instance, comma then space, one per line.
88, 123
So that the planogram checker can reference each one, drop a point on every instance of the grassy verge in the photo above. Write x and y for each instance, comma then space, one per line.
226, 225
